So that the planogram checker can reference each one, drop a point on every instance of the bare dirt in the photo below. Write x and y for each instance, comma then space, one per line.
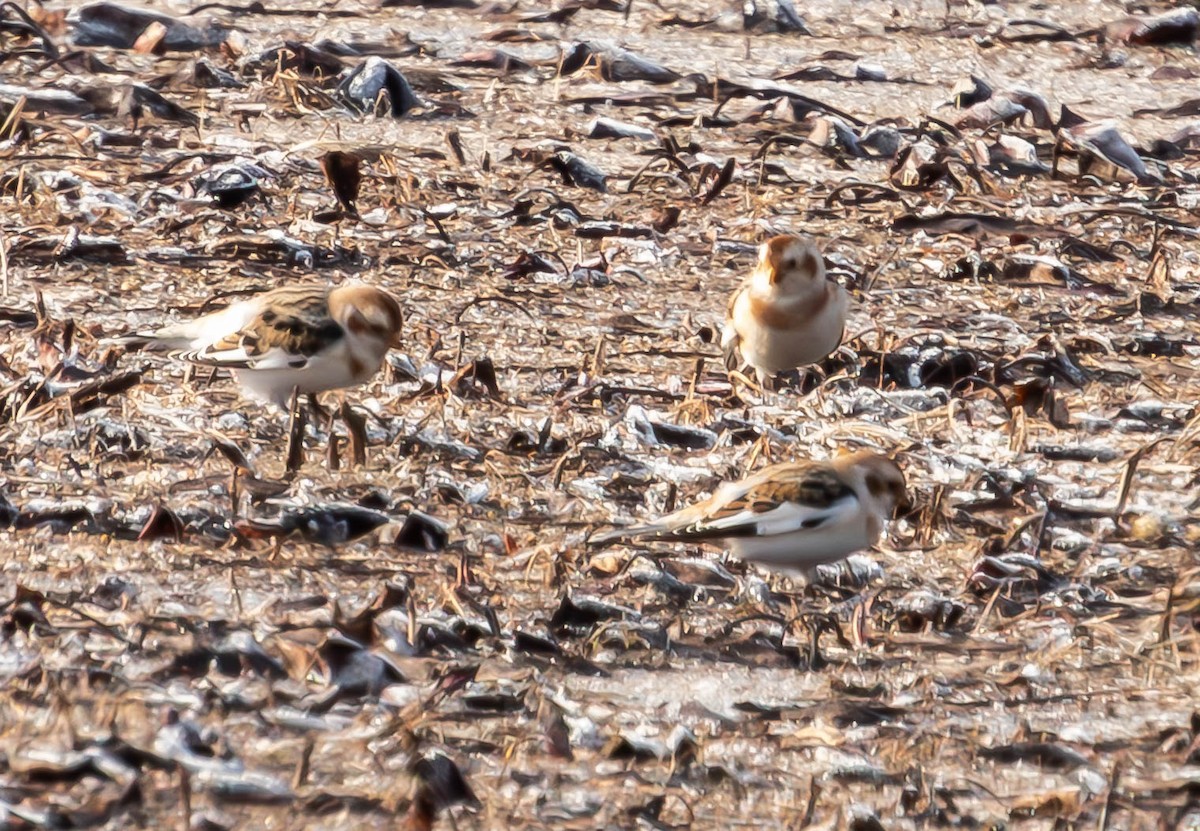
190, 636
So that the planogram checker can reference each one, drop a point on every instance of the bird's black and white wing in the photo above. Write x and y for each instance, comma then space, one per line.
781, 499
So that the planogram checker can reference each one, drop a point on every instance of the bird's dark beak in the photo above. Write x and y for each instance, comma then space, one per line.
905, 504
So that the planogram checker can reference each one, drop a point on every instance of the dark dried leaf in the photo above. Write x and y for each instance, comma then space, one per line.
342, 172
423, 532
577, 171
374, 85
110, 24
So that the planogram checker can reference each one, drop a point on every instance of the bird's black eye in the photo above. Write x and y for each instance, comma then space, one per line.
876, 486
789, 263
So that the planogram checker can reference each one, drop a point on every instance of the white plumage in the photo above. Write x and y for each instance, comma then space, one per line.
795, 515
786, 314
309, 338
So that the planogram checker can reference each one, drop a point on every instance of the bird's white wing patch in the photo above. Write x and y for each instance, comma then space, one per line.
788, 517
729, 345
208, 329
275, 358
729, 336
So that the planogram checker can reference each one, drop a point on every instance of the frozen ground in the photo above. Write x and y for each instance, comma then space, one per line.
1021, 652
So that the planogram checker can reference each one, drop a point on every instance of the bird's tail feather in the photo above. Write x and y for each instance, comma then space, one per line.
135, 340
620, 534
155, 341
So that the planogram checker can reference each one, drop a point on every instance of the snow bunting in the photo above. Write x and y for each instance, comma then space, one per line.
786, 314
795, 515
312, 338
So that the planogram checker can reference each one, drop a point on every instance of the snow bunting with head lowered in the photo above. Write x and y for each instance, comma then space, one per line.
793, 516
308, 338
786, 314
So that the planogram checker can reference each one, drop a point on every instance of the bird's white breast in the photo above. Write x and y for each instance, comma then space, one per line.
778, 348
806, 548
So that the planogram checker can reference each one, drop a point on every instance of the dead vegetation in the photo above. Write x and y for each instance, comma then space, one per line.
408, 631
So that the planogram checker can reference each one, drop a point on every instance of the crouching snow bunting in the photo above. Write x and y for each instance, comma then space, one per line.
793, 516
311, 338
786, 314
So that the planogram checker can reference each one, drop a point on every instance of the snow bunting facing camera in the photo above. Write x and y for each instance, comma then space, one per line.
786, 314
312, 338
794, 516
